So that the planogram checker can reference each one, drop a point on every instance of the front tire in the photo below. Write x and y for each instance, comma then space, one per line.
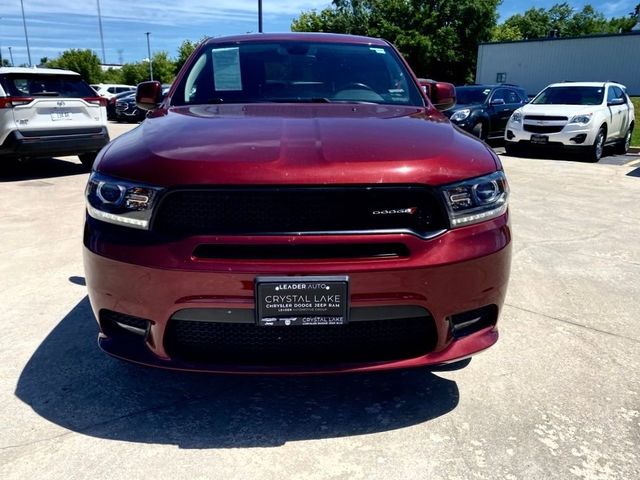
597, 149
511, 149
87, 159
623, 146
479, 131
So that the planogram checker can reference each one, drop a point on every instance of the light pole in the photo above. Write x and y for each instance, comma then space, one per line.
260, 16
104, 61
11, 56
26, 35
149, 52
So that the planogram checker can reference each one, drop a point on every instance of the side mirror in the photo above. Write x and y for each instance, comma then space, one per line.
497, 101
443, 95
148, 95
615, 102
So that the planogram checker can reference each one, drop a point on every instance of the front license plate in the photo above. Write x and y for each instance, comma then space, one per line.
539, 139
299, 301
60, 115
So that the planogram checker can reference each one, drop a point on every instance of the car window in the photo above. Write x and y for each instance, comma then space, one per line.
297, 72
44, 85
499, 94
512, 96
471, 95
570, 95
619, 93
111, 89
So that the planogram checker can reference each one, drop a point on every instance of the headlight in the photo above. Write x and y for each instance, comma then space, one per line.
120, 202
516, 117
460, 115
581, 119
476, 200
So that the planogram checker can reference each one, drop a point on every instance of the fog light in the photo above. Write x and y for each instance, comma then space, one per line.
510, 135
579, 138
471, 321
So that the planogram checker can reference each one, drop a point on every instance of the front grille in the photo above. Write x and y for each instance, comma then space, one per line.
249, 344
546, 117
264, 210
543, 128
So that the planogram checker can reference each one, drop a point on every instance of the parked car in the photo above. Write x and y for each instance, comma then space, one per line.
45, 112
584, 116
484, 110
108, 90
111, 104
296, 204
126, 109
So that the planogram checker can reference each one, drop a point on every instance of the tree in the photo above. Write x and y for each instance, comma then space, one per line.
562, 20
439, 39
112, 75
163, 67
84, 62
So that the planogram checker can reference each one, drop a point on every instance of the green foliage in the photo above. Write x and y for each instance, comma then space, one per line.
163, 67
134, 73
439, 39
561, 18
112, 76
84, 62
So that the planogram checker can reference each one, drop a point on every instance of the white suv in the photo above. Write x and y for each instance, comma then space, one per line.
577, 115
110, 90
46, 112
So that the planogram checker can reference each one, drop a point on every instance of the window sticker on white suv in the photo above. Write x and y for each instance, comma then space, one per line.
226, 69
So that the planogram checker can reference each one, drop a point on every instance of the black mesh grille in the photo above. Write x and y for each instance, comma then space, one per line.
297, 209
246, 343
543, 128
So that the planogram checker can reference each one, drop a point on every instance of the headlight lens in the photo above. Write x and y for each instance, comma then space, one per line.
516, 117
460, 115
120, 202
476, 200
581, 119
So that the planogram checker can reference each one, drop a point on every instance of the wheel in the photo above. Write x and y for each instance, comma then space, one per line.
622, 147
87, 159
596, 150
479, 131
511, 149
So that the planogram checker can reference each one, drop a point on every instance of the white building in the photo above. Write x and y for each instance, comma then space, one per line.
533, 64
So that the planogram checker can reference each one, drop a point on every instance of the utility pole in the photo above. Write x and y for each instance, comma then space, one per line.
11, 56
104, 60
26, 35
260, 16
149, 52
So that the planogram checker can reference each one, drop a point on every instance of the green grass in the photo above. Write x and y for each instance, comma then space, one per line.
635, 140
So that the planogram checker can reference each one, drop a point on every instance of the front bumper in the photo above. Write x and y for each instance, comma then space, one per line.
571, 135
47, 143
461, 270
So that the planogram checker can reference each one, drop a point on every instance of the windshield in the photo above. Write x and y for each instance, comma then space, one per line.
297, 72
39, 85
570, 96
471, 95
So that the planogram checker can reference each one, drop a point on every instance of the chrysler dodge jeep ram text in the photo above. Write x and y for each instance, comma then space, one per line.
296, 204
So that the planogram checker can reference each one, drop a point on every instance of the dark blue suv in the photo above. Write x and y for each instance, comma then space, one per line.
484, 110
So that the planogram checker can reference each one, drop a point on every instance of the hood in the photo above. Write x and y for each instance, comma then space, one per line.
295, 144
558, 110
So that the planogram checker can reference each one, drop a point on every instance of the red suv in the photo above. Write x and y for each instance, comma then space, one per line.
296, 204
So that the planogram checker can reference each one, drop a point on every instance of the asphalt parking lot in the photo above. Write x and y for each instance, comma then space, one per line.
558, 396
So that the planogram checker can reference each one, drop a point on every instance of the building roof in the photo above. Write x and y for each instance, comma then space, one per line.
33, 70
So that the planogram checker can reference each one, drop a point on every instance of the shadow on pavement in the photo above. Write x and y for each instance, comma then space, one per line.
39, 168
634, 173
71, 383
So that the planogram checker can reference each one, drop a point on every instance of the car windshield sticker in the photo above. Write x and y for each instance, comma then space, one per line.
486, 91
226, 69
377, 50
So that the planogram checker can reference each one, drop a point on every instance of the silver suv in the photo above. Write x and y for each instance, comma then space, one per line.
46, 112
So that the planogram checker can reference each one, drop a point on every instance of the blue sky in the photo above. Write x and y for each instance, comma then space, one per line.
57, 25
